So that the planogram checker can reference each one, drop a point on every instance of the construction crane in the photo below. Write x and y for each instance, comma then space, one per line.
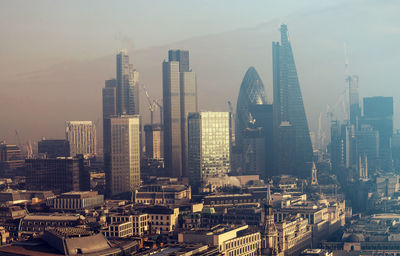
152, 105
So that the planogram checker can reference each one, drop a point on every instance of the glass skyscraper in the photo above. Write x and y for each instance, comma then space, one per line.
288, 104
209, 146
179, 99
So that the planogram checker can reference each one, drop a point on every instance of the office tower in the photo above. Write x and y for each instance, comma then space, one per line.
127, 90
58, 175
110, 98
354, 101
288, 102
182, 57
367, 145
11, 157
396, 150
179, 99
81, 136
122, 154
53, 148
336, 147
154, 141
378, 113
250, 120
209, 146
285, 163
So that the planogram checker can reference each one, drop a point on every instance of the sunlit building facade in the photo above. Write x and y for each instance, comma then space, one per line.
122, 154
209, 146
81, 136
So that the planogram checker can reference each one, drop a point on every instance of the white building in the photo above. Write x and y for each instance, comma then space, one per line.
81, 136
122, 153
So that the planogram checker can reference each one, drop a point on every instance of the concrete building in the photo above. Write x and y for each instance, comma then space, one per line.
154, 140
81, 136
209, 146
122, 154
138, 225
32, 225
163, 220
230, 241
77, 200
163, 194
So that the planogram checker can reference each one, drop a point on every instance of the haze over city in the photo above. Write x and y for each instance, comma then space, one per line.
55, 55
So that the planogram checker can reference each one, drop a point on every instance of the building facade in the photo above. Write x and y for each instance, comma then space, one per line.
58, 175
154, 140
209, 146
122, 154
54, 148
288, 103
179, 99
81, 136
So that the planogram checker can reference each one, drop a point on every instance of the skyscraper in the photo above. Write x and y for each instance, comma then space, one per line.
110, 98
354, 101
179, 99
288, 102
54, 148
127, 90
378, 113
122, 154
81, 136
209, 146
254, 138
154, 141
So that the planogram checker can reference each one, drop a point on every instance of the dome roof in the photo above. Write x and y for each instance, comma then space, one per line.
353, 238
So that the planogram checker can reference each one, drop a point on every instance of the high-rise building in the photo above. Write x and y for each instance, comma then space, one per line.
58, 175
288, 102
122, 154
154, 141
367, 146
10, 157
179, 99
53, 148
354, 101
182, 57
378, 113
110, 98
81, 136
127, 90
253, 118
209, 146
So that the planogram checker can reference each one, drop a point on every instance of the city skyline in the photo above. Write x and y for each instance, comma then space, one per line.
301, 32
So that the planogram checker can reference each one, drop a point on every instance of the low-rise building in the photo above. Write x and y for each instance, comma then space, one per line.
77, 200
163, 194
32, 225
230, 240
163, 220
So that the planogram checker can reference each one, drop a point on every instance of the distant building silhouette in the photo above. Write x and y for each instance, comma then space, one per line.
378, 113
288, 104
54, 148
154, 141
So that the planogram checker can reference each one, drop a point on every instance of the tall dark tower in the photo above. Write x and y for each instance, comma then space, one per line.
179, 99
288, 104
127, 86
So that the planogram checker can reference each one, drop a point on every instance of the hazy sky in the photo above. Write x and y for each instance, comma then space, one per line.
55, 55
